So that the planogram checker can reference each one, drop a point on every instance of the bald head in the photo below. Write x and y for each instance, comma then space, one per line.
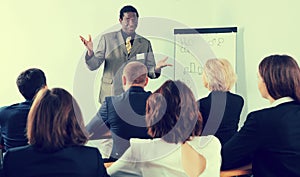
135, 73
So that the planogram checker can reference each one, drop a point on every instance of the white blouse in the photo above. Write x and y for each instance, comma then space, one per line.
148, 158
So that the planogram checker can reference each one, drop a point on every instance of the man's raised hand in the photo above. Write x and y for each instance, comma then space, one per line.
88, 44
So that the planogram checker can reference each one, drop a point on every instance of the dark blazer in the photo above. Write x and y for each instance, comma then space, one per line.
111, 49
124, 115
270, 139
13, 121
222, 115
75, 161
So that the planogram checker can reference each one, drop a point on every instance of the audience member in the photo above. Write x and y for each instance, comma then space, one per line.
13, 118
56, 135
221, 109
270, 137
177, 149
123, 115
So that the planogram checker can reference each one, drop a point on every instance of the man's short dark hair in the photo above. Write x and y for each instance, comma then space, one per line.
30, 81
128, 9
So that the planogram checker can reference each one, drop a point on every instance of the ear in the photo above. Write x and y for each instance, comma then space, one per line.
204, 80
205, 83
124, 80
120, 20
146, 81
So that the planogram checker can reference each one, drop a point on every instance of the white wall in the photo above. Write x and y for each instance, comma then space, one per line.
45, 34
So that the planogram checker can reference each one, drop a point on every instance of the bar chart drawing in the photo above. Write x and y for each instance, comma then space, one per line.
193, 68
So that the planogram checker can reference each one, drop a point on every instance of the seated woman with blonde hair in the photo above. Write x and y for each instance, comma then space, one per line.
56, 135
177, 149
221, 109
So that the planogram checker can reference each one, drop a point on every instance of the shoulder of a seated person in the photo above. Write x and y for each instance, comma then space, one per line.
203, 141
141, 141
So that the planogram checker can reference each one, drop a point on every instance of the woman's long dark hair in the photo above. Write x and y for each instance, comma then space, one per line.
172, 113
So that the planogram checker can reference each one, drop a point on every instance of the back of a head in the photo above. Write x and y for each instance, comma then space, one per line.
219, 74
281, 75
55, 121
127, 8
30, 81
135, 72
172, 113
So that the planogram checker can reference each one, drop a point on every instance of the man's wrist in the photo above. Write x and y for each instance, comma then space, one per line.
157, 70
88, 56
90, 53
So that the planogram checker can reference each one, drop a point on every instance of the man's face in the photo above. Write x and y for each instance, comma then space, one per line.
129, 22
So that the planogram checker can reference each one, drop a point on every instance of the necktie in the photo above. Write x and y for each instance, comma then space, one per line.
128, 44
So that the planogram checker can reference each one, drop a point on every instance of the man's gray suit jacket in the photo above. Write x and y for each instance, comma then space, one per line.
112, 50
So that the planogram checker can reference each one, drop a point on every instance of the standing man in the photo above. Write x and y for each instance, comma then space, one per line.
13, 118
123, 115
116, 49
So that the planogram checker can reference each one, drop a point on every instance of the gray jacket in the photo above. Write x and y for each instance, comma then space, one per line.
111, 49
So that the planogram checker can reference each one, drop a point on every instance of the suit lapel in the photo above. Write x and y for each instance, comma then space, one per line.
121, 43
136, 44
